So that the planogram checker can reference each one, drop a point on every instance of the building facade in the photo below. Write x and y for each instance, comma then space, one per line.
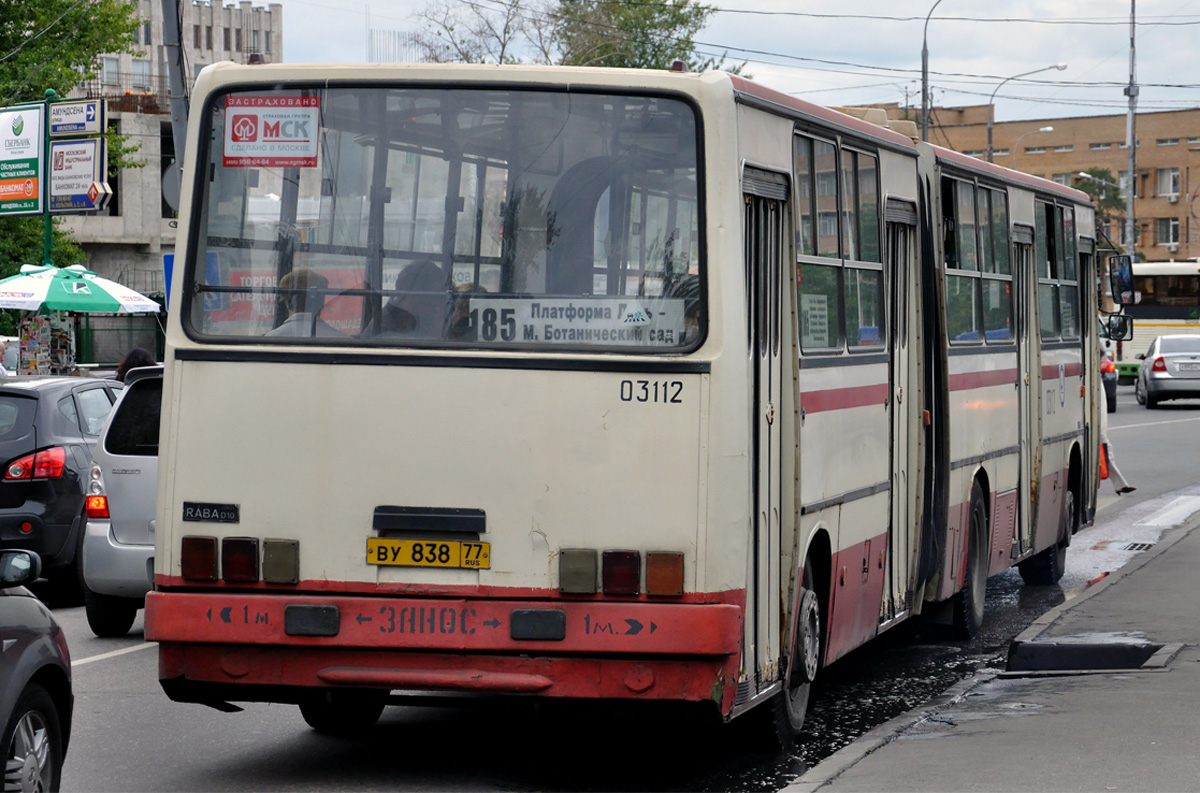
126, 240
1166, 205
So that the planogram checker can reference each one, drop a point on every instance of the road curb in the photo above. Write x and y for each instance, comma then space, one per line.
1043, 623
832, 767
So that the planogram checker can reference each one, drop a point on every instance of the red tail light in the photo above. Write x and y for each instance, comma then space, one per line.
621, 572
1107, 365
97, 506
1159, 365
45, 464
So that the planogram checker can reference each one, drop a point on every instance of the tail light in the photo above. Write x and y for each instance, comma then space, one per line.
1107, 365
621, 572
97, 501
44, 464
97, 506
1159, 365
239, 560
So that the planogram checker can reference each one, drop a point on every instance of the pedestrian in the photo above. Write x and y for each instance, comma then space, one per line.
138, 356
1114, 474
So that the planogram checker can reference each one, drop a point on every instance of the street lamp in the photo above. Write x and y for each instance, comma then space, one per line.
991, 107
1017, 145
925, 75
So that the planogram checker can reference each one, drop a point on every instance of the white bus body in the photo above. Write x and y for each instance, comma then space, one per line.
688, 387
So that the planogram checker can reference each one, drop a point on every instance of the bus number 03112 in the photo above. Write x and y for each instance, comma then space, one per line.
660, 391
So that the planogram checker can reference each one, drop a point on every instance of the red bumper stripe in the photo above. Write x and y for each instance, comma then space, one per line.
446, 624
459, 680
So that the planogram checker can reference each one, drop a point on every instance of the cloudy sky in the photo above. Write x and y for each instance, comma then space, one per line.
860, 51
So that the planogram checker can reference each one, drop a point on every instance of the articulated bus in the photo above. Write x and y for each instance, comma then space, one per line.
1166, 299
597, 384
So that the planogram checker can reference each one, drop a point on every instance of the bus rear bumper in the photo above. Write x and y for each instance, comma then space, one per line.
249, 647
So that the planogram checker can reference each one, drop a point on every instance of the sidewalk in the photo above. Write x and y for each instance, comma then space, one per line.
1110, 699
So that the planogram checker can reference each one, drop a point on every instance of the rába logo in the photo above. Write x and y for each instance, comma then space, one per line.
245, 129
18, 124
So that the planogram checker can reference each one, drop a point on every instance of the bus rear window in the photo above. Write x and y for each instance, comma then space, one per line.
378, 216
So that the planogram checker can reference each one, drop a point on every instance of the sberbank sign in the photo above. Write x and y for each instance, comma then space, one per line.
22, 158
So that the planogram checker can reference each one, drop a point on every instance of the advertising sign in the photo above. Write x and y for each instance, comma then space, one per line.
77, 118
21, 152
271, 131
77, 169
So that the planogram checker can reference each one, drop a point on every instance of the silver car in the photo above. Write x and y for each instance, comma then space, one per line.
118, 539
36, 702
1169, 370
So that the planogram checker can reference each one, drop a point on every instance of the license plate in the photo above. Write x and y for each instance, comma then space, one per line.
429, 553
1189, 367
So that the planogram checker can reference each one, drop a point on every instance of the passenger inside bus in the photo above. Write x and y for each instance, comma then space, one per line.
461, 325
421, 304
302, 294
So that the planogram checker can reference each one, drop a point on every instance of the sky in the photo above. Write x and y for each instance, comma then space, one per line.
869, 51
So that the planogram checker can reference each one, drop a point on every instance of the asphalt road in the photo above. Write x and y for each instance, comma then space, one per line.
129, 737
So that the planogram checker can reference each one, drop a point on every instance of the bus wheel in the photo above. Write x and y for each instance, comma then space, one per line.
968, 603
791, 704
1047, 567
337, 712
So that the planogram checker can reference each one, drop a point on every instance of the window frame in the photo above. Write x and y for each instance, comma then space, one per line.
855, 280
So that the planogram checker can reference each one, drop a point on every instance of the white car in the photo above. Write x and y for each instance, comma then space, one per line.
118, 540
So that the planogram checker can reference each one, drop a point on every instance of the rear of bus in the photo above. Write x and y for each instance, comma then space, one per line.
434, 408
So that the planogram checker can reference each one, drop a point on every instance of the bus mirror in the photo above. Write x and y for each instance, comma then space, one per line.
1120, 276
1118, 327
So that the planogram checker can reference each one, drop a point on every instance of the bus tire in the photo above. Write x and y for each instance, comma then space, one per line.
791, 704
968, 602
341, 712
1047, 567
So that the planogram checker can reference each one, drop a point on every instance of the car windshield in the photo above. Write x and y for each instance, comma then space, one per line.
422, 216
1185, 344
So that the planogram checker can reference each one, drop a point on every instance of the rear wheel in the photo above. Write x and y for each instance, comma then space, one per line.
968, 603
337, 712
1151, 401
791, 704
1047, 567
1137, 392
109, 617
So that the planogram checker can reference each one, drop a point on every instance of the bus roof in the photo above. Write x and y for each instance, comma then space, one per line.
978, 166
1187, 267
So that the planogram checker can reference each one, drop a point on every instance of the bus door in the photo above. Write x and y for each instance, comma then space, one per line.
765, 199
898, 583
1028, 386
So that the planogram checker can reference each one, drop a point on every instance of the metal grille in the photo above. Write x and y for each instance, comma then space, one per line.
1139, 546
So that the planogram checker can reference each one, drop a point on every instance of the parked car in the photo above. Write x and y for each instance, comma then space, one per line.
36, 702
118, 540
1108, 376
48, 429
1170, 369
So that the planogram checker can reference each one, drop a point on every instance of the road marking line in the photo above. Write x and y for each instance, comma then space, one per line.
1174, 513
1112, 428
113, 654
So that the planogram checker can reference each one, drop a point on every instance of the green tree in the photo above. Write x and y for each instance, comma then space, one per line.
633, 34
641, 34
52, 44
1105, 194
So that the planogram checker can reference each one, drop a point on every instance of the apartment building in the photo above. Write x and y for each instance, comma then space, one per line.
1166, 204
127, 240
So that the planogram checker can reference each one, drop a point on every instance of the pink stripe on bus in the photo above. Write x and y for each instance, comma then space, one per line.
844, 398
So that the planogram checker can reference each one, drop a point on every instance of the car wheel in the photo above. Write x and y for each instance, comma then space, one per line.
1137, 392
1151, 401
33, 743
343, 712
109, 617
